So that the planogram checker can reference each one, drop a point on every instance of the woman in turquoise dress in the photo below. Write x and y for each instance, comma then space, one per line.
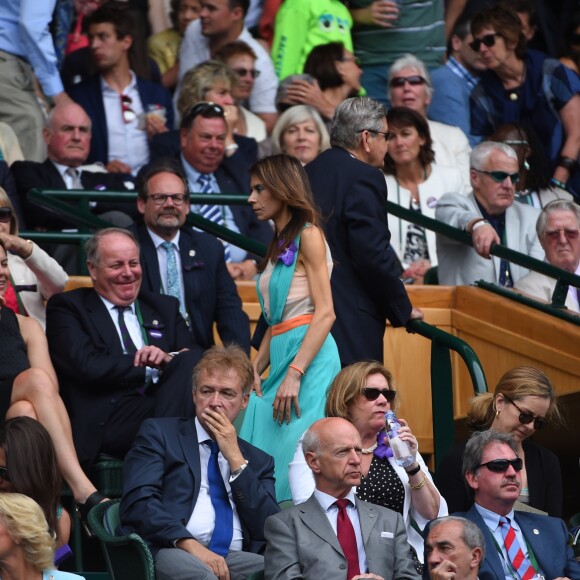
296, 300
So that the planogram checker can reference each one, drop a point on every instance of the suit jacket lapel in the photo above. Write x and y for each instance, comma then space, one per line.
151, 322
314, 517
533, 535
367, 515
53, 177
190, 446
150, 262
103, 323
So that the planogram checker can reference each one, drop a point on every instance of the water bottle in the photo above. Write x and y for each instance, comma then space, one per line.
401, 451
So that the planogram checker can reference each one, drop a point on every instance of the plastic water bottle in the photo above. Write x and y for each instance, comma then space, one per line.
401, 451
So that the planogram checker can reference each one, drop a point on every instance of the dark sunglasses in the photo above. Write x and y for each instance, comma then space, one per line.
4, 474
414, 81
244, 72
205, 109
5, 214
488, 40
354, 59
501, 176
555, 234
128, 113
502, 465
386, 134
526, 417
372, 394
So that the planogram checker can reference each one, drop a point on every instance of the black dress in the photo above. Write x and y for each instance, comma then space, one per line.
13, 357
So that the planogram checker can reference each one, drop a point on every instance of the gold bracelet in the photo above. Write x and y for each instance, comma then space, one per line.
420, 484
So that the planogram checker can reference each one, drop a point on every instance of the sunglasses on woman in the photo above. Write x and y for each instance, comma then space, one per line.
4, 474
502, 465
413, 80
488, 40
372, 394
526, 417
5, 214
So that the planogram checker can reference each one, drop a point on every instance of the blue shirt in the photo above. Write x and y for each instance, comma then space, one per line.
24, 32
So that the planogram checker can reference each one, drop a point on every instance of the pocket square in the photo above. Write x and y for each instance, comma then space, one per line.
387, 535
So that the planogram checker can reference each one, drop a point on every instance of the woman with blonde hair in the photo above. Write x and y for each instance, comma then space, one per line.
296, 300
362, 393
27, 544
523, 401
34, 275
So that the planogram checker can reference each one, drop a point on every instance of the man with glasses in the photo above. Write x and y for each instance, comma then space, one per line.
181, 262
125, 109
490, 216
209, 171
517, 544
558, 229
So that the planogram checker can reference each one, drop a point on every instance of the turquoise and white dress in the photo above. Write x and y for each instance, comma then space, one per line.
285, 300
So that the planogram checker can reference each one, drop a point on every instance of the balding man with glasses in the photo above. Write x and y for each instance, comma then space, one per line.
490, 216
517, 544
209, 171
181, 262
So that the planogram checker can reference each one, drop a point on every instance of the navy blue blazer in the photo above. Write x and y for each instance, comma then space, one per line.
546, 536
162, 478
88, 94
366, 289
93, 372
210, 292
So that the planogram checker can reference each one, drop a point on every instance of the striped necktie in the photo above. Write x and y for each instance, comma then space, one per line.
520, 563
128, 344
213, 213
172, 273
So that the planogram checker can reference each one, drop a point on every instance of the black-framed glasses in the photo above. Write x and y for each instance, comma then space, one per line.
488, 40
354, 59
525, 417
4, 474
502, 465
501, 176
386, 134
205, 109
372, 394
413, 80
247, 72
161, 198
554, 235
129, 114
5, 214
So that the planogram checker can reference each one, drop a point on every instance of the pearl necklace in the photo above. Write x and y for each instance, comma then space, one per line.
368, 450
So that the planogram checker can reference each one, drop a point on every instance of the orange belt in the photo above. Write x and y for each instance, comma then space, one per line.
292, 323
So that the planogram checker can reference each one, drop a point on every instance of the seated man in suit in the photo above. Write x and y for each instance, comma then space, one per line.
490, 215
558, 230
126, 109
517, 544
208, 171
334, 534
197, 494
121, 355
454, 548
184, 263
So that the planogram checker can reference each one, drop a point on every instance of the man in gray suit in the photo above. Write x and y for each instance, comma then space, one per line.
334, 534
490, 215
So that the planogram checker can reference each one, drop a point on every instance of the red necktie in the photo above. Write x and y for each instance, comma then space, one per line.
346, 538
520, 563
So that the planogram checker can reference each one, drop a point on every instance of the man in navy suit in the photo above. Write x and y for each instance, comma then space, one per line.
350, 190
492, 470
197, 494
121, 355
196, 271
126, 110
202, 134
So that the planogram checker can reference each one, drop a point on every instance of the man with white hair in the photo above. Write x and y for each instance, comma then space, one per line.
558, 229
410, 86
490, 215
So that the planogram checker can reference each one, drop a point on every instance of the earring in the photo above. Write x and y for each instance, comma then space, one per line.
497, 414
526, 166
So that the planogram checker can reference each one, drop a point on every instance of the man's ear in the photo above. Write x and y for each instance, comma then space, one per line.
312, 461
141, 205
46, 134
476, 558
471, 479
456, 43
92, 271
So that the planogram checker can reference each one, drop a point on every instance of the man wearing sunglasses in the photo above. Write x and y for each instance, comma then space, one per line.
517, 544
490, 216
558, 229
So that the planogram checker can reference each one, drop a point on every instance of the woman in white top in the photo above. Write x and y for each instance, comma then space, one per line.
415, 182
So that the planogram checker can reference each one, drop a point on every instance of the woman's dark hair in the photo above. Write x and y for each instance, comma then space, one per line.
505, 22
31, 464
568, 39
321, 64
401, 117
285, 178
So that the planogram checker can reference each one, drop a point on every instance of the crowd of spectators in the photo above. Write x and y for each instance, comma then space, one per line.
464, 111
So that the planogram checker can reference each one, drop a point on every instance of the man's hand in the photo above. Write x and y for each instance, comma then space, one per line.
116, 166
380, 13
245, 270
483, 237
225, 436
16, 245
416, 270
151, 356
214, 561
443, 571
154, 124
